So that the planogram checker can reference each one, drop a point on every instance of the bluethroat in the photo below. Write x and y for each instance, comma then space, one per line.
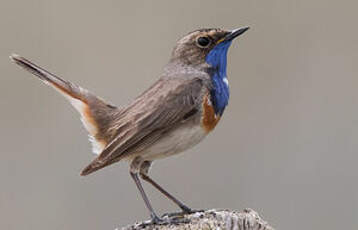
174, 114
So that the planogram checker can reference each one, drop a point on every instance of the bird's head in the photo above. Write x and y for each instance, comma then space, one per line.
206, 49
205, 46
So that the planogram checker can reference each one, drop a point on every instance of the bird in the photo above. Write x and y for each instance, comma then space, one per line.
175, 113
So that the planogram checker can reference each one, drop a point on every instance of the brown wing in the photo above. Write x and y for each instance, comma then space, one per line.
167, 103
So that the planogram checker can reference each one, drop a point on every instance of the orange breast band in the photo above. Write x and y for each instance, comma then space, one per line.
209, 119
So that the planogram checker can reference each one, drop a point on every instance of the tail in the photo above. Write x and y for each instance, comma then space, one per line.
96, 115
92, 167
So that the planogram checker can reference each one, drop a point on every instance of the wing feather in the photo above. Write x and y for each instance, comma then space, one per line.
160, 108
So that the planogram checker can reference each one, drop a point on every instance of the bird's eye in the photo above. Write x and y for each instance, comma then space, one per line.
203, 42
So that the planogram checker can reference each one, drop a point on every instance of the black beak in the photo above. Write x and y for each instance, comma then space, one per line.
235, 33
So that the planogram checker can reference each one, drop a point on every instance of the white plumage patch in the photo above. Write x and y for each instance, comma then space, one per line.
87, 121
226, 81
97, 147
82, 108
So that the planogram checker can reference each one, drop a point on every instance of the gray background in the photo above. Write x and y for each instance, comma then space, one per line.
286, 147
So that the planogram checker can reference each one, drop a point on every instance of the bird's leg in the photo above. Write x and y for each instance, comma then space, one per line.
134, 174
144, 174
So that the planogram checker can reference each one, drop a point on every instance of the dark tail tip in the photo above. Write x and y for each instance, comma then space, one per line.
94, 166
86, 170
15, 58
29, 66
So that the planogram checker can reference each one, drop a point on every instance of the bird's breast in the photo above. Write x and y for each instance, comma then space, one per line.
175, 141
209, 117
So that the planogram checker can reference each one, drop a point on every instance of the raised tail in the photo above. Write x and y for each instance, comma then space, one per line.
66, 88
96, 115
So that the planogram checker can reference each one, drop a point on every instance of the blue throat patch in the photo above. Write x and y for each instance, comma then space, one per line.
220, 92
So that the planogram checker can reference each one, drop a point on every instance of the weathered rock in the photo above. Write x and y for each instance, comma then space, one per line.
208, 220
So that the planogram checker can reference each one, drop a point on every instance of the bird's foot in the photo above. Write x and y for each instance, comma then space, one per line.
173, 220
165, 220
185, 211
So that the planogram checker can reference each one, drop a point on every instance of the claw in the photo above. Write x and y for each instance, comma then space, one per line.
164, 221
182, 213
187, 210
156, 220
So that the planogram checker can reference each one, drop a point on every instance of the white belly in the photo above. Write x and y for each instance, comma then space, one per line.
175, 142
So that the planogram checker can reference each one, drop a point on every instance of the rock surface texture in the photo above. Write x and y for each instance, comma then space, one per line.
206, 220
